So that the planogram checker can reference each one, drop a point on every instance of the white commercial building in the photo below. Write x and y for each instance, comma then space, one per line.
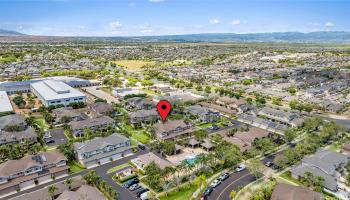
5, 104
52, 92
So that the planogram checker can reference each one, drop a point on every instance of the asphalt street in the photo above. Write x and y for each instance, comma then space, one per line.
236, 181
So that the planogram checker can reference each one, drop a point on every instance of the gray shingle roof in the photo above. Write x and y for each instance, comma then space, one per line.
10, 120
323, 163
76, 125
99, 143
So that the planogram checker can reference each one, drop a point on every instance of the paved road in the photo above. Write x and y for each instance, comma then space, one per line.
124, 194
235, 182
342, 122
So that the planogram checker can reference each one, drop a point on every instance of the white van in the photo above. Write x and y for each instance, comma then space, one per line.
144, 195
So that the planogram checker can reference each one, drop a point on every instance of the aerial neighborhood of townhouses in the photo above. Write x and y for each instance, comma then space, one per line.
83, 123
249, 120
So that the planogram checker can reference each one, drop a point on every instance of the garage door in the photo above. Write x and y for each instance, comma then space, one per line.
26, 184
117, 156
61, 174
105, 160
91, 164
44, 179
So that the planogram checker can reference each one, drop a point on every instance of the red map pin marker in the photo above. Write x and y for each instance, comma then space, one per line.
164, 108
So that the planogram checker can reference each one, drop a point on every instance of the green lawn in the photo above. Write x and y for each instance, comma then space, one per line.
150, 92
334, 147
205, 125
75, 167
183, 194
138, 135
141, 137
41, 123
116, 168
289, 179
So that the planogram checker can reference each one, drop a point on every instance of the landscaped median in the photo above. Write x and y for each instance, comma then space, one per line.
75, 167
183, 192
119, 167
123, 173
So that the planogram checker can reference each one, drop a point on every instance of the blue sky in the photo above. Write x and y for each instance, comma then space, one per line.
164, 17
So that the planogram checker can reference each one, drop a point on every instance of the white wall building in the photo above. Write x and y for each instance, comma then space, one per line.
5, 104
52, 92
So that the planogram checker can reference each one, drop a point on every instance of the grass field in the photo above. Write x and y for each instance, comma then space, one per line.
141, 137
138, 135
183, 193
116, 168
286, 178
42, 123
75, 167
178, 62
133, 64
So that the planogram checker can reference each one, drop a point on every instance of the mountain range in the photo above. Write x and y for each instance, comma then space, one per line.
285, 37
4, 32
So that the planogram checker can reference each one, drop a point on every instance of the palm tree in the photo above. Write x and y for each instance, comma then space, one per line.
200, 181
233, 194
68, 182
166, 187
52, 189
103, 184
201, 160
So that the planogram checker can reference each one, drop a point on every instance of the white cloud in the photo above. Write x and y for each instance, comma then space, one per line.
214, 21
198, 26
155, 1
145, 28
146, 31
131, 4
113, 26
236, 22
329, 24
81, 27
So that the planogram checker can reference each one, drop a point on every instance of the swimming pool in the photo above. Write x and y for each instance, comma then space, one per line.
191, 159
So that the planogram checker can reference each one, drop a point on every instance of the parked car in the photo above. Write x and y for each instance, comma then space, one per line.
144, 196
224, 176
275, 167
268, 164
215, 183
207, 193
142, 191
131, 182
214, 128
135, 187
141, 146
240, 168
227, 123
49, 140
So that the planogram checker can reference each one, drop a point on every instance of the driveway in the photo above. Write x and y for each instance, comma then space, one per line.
235, 182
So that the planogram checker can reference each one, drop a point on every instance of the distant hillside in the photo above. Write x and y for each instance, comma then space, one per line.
314, 37
9, 33
284, 37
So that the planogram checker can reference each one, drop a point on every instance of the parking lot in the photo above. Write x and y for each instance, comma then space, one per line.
136, 188
55, 137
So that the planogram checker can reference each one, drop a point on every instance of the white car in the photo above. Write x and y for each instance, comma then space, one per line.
215, 183
144, 195
134, 187
240, 168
